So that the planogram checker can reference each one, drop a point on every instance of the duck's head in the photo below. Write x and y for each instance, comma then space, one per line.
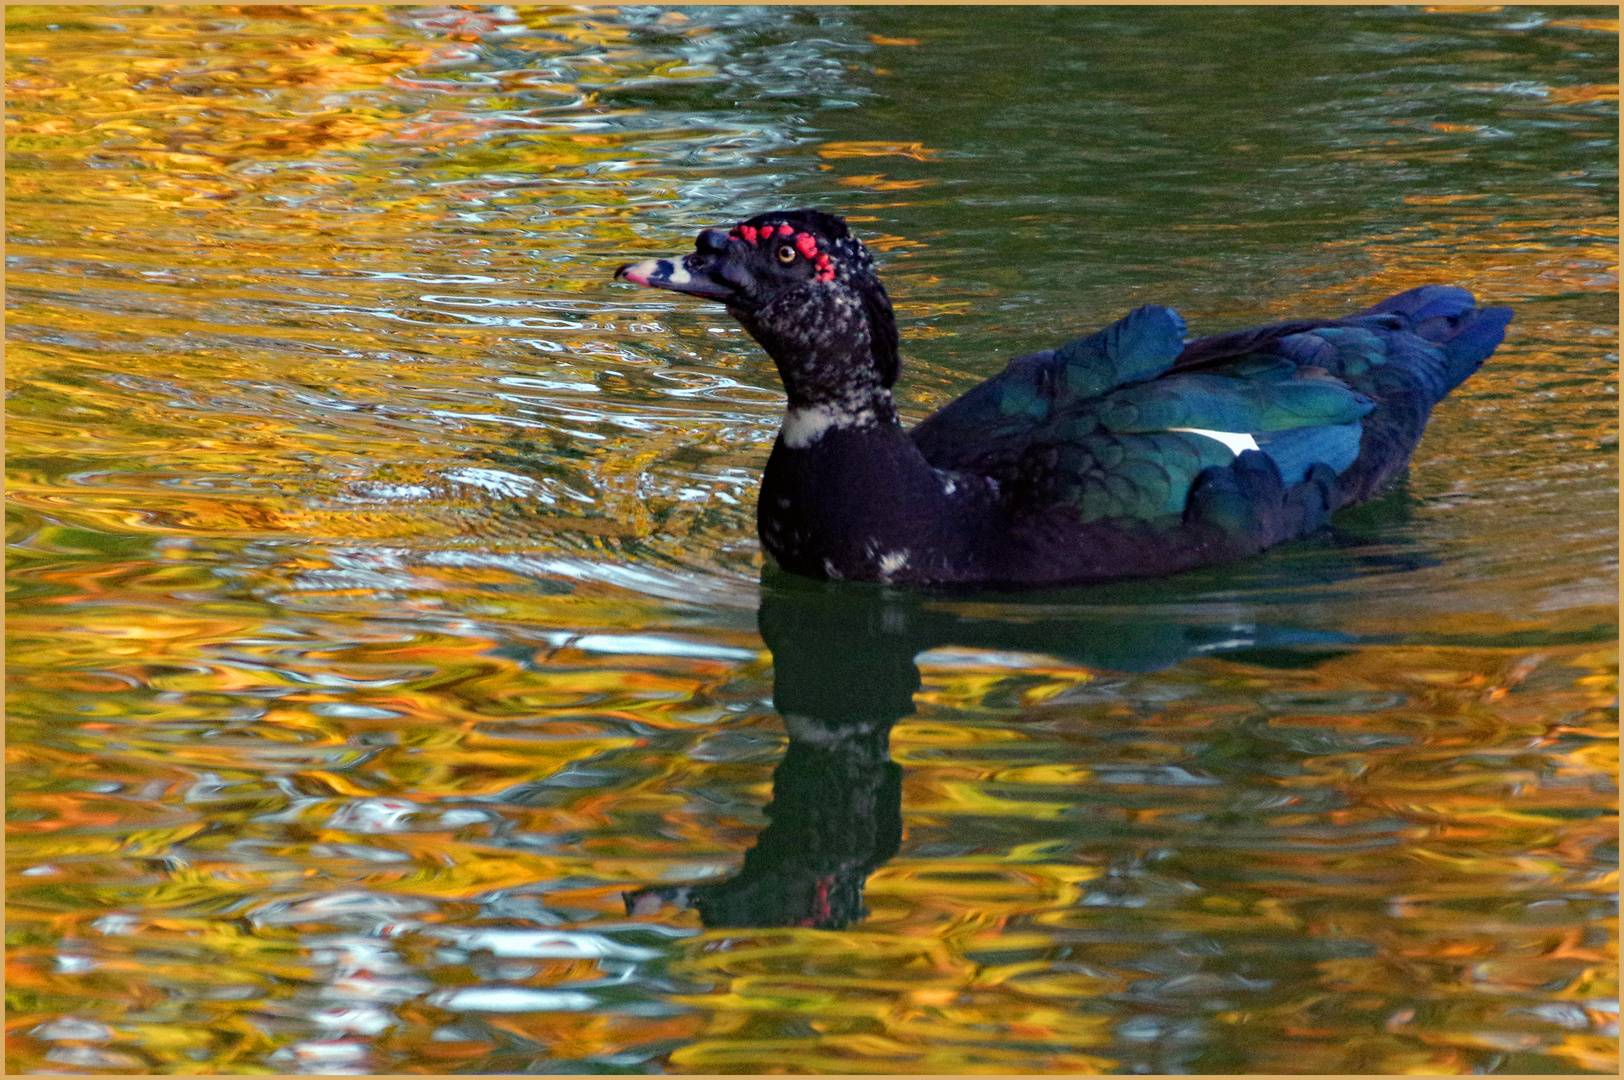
804, 287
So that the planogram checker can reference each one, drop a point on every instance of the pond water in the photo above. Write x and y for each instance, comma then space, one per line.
397, 684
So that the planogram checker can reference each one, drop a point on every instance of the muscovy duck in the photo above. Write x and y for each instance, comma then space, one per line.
1126, 453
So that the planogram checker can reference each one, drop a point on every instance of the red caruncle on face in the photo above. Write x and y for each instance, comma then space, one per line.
805, 243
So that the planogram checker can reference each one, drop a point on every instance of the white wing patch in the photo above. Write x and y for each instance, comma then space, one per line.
1235, 440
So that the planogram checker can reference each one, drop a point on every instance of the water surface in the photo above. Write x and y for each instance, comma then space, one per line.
396, 679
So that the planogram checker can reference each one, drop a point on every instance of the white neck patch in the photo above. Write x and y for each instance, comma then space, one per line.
805, 426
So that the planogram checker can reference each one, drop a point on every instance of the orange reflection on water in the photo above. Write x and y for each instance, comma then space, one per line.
385, 583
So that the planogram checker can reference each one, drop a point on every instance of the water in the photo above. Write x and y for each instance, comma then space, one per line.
386, 608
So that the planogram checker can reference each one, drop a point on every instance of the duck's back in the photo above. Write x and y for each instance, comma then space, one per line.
1174, 455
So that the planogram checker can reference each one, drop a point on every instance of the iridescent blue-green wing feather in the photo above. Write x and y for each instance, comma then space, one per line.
1095, 422
1040, 388
1113, 424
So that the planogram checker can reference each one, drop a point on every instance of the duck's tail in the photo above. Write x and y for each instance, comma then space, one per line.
1447, 317
1432, 338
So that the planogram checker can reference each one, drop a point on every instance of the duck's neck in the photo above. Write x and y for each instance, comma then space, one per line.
808, 421
824, 345
847, 495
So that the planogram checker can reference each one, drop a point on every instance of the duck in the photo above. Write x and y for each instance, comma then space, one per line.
1131, 452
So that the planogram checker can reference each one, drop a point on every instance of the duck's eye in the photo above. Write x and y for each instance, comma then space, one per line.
786, 254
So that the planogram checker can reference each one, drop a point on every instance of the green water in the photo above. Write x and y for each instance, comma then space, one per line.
386, 609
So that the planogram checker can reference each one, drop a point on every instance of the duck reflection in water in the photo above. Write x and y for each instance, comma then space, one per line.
844, 673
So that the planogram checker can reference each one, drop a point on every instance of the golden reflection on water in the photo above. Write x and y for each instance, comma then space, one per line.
384, 589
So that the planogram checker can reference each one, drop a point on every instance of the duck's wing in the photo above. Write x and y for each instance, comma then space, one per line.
1122, 422
1036, 388
1106, 424
1405, 353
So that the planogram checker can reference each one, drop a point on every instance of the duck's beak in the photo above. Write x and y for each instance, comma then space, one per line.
689, 275
705, 274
